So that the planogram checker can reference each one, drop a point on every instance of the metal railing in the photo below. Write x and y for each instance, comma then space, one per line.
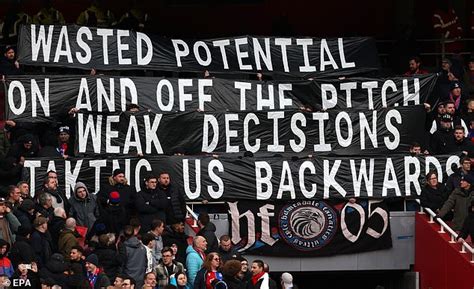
445, 228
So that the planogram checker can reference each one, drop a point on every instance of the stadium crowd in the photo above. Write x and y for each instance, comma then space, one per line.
119, 238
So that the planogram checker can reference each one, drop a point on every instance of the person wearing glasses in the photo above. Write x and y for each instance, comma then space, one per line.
167, 267
210, 272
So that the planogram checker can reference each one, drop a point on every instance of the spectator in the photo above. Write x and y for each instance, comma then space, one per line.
24, 190
136, 263
231, 271
460, 143
287, 281
157, 228
56, 225
25, 215
175, 236
109, 259
41, 241
414, 64
26, 147
195, 257
226, 250
59, 199
468, 115
48, 15
244, 274
66, 147
208, 231
129, 283
470, 72
179, 280
96, 16
21, 251
440, 140
97, 278
150, 281
77, 260
175, 205
14, 197
118, 281
148, 241
150, 203
113, 218
433, 195
454, 179
459, 201
9, 224
83, 206
68, 238
456, 95
6, 266
54, 269
415, 149
468, 226
210, 273
8, 63
117, 183
49, 146
10, 171
455, 119
260, 279
167, 267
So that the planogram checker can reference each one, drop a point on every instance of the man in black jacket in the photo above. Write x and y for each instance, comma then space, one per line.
175, 203
118, 183
150, 204
460, 143
208, 231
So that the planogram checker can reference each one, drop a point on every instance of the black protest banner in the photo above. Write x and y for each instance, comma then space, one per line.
113, 49
350, 132
257, 178
44, 98
309, 227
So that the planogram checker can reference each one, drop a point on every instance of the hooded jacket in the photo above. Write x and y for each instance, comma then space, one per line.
460, 201
85, 211
5, 263
109, 259
136, 263
209, 233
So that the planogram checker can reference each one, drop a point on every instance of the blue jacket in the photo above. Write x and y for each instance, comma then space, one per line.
193, 264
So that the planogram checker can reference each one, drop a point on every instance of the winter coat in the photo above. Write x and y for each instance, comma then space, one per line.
55, 226
175, 205
150, 205
102, 281
54, 269
114, 218
459, 146
85, 211
209, 233
136, 263
455, 179
200, 280
162, 274
440, 141
433, 198
233, 282
460, 201
6, 267
194, 263
127, 195
468, 226
13, 225
110, 260
25, 218
271, 283
67, 240
41, 243
171, 237
47, 213
22, 252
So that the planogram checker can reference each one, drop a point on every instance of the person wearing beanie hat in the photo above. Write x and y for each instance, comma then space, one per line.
83, 206
117, 183
96, 278
25, 214
66, 147
459, 201
5, 263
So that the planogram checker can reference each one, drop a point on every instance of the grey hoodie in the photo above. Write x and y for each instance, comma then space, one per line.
136, 259
85, 211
